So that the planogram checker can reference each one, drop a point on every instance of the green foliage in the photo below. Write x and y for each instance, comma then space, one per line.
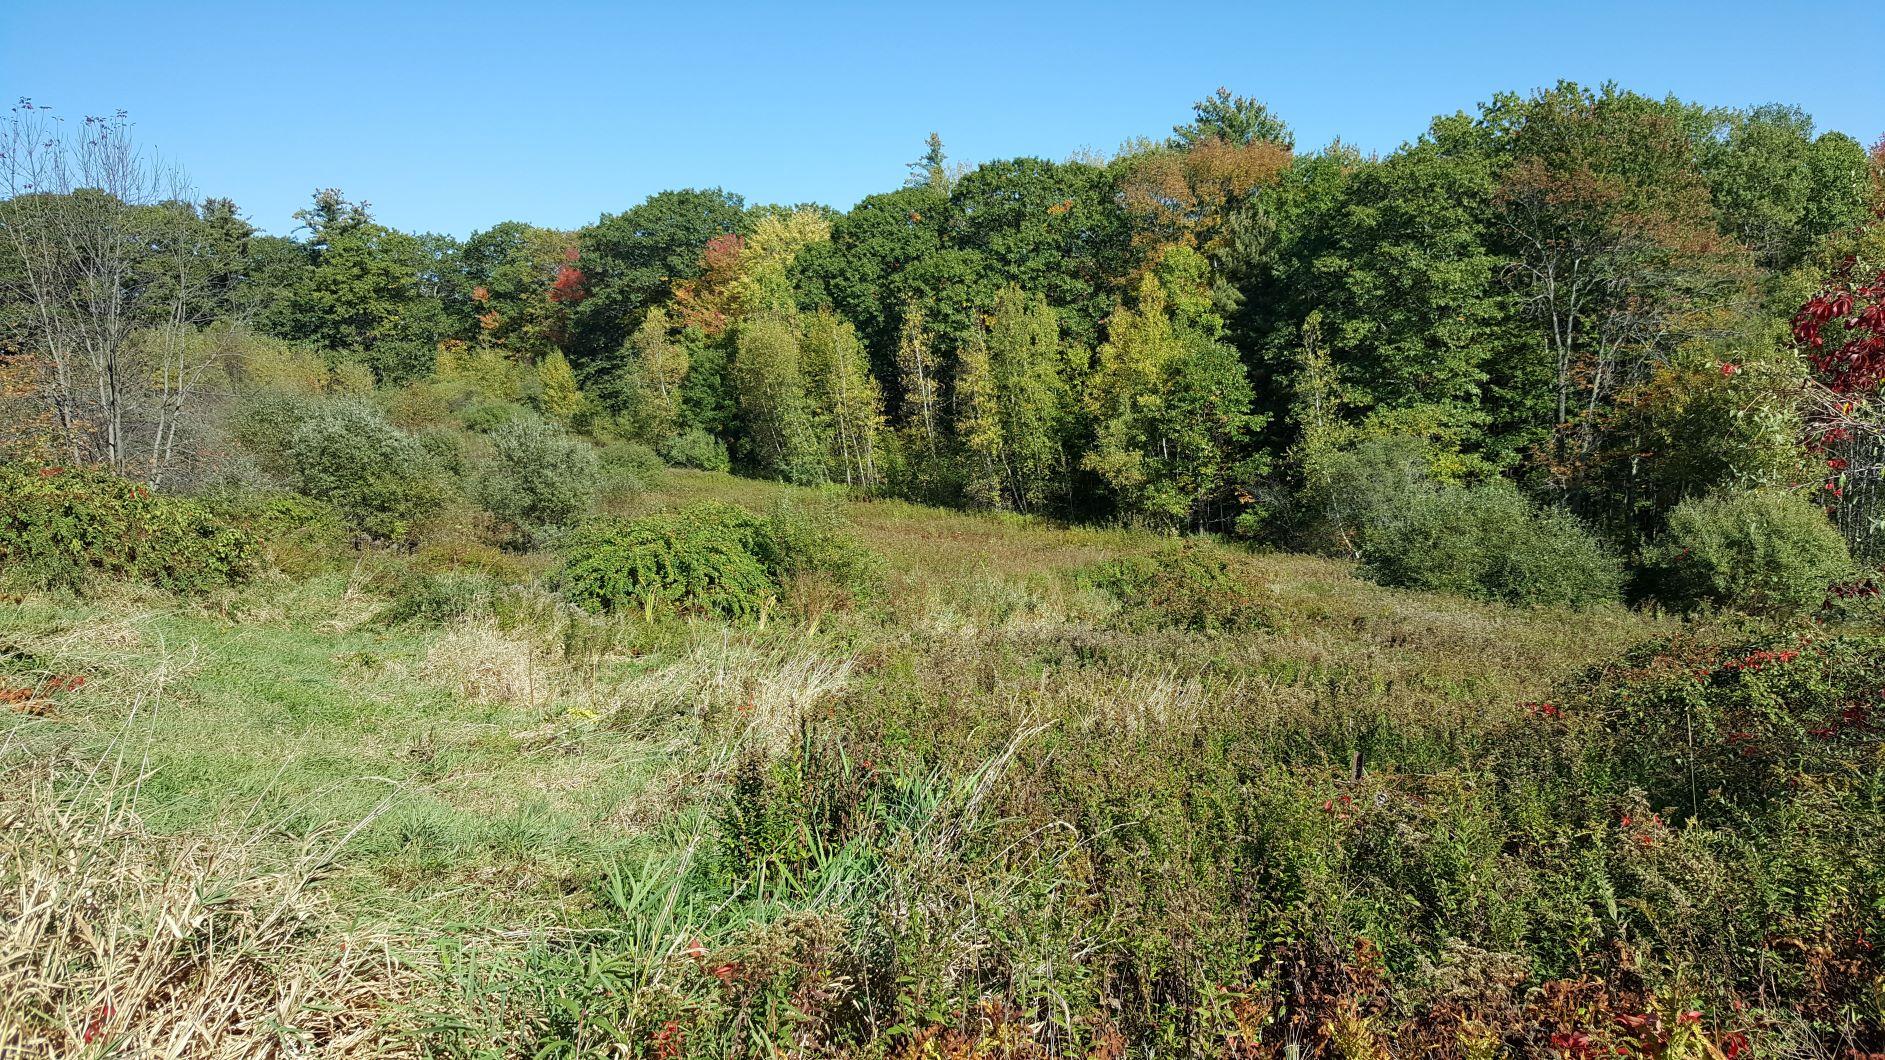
705, 558
66, 527
1490, 542
557, 395
770, 381
1171, 407
1764, 551
383, 481
696, 449
710, 558
435, 599
1189, 585
539, 476
485, 417
1350, 495
629, 466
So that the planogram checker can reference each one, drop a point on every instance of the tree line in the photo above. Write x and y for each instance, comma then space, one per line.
1585, 291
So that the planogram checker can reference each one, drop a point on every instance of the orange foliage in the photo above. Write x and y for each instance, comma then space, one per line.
1184, 196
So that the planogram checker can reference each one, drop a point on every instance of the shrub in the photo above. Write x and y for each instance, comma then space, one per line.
708, 558
382, 480
1187, 585
539, 476
1759, 551
1353, 493
262, 422
485, 417
629, 467
696, 449
1490, 542
802, 544
63, 527
705, 558
433, 599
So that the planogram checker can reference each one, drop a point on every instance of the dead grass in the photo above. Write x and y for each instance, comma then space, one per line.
120, 942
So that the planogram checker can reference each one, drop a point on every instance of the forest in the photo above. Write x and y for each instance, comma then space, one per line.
1217, 598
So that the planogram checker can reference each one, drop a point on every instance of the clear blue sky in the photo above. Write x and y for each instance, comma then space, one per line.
451, 117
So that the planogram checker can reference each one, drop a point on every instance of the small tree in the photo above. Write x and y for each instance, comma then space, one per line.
382, 480
539, 476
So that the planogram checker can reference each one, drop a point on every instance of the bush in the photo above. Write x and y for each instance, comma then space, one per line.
63, 527
1353, 493
1490, 542
629, 467
433, 599
486, 417
696, 449
1187, 585
262, 422
708, 558
382, 480
1759, 551
705, 558
539, 476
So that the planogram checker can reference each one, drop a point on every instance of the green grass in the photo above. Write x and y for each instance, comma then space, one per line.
1076, 792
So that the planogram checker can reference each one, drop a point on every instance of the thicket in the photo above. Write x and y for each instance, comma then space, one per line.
67, 527
710, 558
1761, 551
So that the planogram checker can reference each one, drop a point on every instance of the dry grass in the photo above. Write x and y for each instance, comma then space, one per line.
120, 942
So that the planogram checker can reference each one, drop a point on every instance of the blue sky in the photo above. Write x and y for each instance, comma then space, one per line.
451, 117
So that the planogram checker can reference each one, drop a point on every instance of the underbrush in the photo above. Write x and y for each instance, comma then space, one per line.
68, 527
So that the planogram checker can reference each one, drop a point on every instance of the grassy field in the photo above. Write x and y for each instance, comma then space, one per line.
997, 811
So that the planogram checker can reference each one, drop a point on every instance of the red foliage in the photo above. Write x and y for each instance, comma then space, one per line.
571, 286
1848, 357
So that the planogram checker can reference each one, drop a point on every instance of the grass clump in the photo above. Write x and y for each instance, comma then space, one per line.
1190, 586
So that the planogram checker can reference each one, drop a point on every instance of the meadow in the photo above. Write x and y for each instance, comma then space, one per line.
408, 803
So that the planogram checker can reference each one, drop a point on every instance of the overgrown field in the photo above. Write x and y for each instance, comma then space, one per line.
1030, 791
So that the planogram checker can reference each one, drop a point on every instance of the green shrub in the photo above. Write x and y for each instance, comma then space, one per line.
261, 423
629, 467
696, 449
382, 480
63, 527
1350, 494
1759, 551
485, 417
705, 558
813, 543
1490, 542
708, 558
1188, 585
539, 476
